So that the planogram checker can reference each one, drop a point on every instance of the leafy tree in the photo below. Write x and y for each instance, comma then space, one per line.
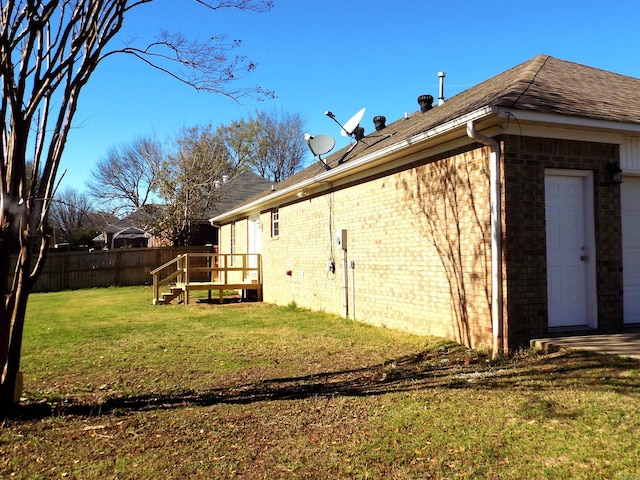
125, 178
272, 144
187, 182
48, 51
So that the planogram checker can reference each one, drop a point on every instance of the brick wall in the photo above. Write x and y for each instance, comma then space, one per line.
419, 239
525, 161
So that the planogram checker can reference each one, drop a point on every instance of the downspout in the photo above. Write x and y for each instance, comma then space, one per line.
496, 236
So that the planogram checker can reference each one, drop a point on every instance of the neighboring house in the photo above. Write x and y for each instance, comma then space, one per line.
491, 219
130, 232
135, 230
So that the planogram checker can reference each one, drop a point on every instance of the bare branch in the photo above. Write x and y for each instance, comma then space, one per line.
253, 5
206, 66
270, 143
125, 178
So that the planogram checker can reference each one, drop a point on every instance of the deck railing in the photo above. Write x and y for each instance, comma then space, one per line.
208, 271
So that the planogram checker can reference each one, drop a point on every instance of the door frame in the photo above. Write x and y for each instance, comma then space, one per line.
591, 293
254, 238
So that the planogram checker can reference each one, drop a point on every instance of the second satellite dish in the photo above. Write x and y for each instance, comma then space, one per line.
352, 124
319, 144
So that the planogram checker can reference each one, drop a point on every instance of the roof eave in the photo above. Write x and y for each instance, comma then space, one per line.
568, 120
358, 164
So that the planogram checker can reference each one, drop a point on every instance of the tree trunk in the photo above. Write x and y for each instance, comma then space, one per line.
12, 316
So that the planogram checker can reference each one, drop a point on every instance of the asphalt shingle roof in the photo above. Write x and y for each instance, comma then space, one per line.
543, 84
233, 193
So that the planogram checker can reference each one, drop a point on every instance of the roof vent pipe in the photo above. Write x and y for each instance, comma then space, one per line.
225, 178
441, 75
379, 122
425, 102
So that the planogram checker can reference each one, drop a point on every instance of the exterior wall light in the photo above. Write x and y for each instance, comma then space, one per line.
614, 172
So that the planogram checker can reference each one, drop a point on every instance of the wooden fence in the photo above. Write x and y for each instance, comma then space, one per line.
126, 267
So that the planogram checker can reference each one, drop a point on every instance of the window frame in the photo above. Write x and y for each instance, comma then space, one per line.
275, 222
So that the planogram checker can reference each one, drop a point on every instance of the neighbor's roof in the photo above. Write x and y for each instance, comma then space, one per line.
233, 192
543, 84
236, 190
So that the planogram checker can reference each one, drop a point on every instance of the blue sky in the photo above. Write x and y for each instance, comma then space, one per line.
320, 55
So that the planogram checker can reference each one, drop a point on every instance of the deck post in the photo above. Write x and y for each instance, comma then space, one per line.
156, 289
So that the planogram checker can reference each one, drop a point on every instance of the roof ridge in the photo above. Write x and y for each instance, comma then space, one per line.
532, 69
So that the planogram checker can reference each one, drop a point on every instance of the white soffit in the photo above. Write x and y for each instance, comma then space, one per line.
568, 123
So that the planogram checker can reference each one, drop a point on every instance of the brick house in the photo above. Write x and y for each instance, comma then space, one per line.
490, 219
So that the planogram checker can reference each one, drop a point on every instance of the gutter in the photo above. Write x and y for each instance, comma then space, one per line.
496, 237
345, 168
449, 126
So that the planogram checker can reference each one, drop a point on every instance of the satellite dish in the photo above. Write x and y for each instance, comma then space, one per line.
352, 128
320, 144
352, 124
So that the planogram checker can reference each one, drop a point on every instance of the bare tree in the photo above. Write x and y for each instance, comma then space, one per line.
271, 143
282, 139
71, 217
48, 51
125, 178
187, 182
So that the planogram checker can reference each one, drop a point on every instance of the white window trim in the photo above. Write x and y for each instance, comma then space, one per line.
275, 222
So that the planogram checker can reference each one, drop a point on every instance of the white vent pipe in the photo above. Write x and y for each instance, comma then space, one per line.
441, 76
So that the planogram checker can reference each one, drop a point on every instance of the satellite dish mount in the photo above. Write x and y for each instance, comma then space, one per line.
350, 129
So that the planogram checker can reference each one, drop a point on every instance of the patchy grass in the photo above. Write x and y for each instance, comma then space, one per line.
117, 388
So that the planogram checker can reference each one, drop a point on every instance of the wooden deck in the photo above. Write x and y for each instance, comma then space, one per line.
207, 271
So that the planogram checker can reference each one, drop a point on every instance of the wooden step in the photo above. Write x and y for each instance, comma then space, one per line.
168, 297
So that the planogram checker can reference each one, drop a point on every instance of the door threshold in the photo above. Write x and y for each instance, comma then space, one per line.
584, 329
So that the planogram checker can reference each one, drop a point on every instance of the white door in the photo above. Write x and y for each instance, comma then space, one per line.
570, 250
631, 248
254, 242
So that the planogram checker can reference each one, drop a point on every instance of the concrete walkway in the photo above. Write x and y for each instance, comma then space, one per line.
625, 344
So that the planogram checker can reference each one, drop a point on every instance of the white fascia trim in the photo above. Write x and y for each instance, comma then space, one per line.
343, 169
557, 119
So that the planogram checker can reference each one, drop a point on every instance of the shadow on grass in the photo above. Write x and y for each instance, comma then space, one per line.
423, 371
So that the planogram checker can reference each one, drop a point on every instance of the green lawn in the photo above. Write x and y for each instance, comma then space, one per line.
118, 388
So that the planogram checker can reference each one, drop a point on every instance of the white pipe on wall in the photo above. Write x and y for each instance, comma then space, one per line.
496, 236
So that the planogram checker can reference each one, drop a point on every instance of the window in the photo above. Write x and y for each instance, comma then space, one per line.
275, 223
